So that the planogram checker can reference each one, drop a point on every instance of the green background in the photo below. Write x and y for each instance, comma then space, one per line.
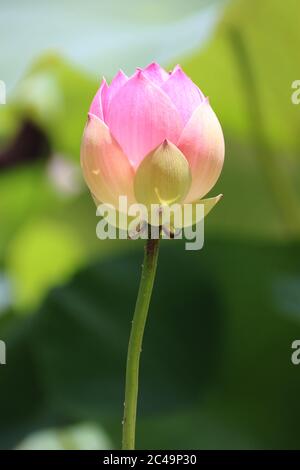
216, 370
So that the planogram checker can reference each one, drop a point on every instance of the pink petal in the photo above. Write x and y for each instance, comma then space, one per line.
156, 73
106, 169
202, 143
183, 92
117, 82
141, 117
96, 106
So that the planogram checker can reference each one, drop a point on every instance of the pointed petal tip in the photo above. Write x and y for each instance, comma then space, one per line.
163, 176
152, 65
94, 120
122, 73
155, 73
180, 74
176, 69
194, 217
153, 117
119, 75
139, 74
91, 116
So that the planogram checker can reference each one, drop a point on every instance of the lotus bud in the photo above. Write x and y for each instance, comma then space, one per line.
154, 138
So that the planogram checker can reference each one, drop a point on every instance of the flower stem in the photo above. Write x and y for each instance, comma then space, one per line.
135, 342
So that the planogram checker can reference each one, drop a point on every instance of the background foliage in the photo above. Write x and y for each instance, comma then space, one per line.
216, 369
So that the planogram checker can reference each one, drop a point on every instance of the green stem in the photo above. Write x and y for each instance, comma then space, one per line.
135, 342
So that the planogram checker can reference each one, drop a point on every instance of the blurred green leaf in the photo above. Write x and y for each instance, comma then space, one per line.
216, 369
56, 96
217, 353
100, 36
43, 254
23, 193
269, 29
260, 177
80, 437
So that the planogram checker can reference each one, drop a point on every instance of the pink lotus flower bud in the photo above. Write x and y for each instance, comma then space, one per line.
152, 137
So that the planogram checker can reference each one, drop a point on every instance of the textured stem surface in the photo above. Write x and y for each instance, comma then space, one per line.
135, 342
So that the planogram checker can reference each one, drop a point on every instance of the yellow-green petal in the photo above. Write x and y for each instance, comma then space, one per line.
163, 176
188, 215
